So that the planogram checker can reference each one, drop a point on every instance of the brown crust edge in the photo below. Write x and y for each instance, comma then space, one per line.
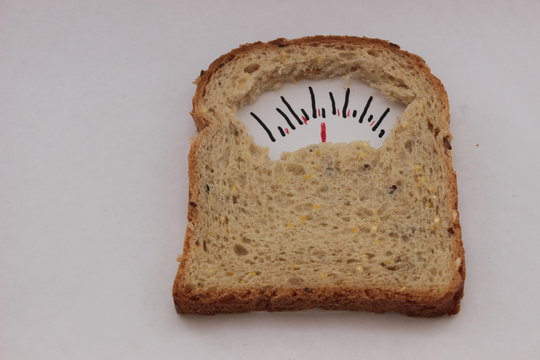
373, 300
336, 298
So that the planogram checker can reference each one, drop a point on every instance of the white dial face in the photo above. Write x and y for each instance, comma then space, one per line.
314, 111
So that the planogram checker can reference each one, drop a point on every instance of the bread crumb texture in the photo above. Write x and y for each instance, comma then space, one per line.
337, 226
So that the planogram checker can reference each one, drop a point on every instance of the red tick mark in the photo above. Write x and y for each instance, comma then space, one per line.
286, 130
323, 132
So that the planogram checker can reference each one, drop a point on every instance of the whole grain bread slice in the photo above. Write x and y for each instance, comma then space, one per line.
333, 226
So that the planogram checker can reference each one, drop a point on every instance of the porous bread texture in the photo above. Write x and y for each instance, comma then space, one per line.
340, 226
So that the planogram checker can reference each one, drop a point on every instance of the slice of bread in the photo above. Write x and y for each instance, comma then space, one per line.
333, 226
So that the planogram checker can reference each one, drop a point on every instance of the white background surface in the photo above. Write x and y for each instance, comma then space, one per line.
94, 134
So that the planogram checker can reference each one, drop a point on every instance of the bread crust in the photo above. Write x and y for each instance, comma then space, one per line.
420, 304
